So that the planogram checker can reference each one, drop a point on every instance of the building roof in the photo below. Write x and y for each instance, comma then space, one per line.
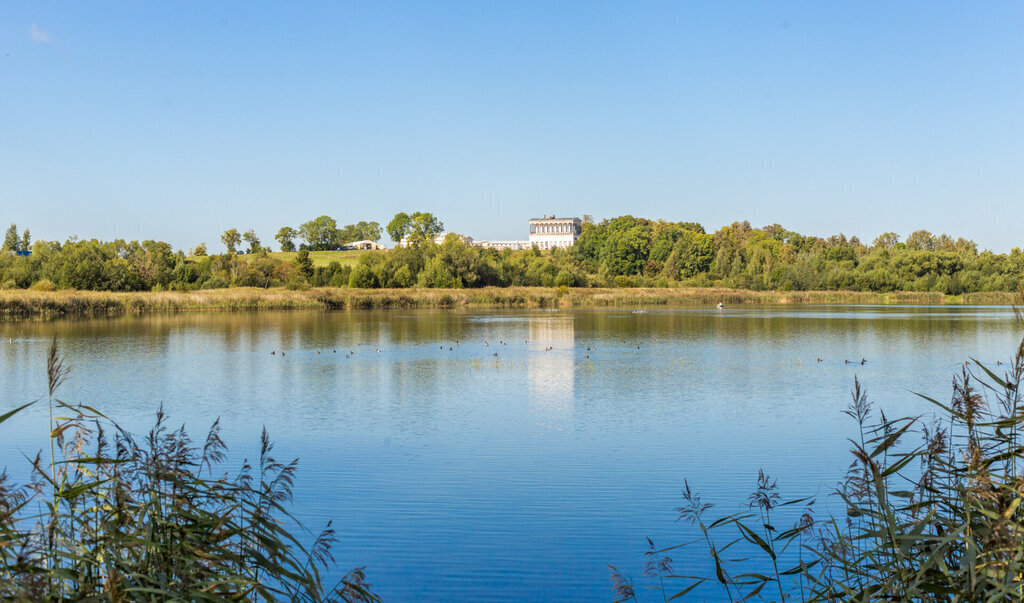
551, 218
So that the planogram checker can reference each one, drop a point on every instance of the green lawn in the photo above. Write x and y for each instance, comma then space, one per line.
322, 258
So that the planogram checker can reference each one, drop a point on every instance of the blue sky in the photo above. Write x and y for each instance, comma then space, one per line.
178, 120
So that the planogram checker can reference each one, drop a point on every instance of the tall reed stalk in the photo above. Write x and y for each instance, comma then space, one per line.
154, 518
930, 511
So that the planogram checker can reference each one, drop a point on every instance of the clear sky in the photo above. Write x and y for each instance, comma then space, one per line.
178, 120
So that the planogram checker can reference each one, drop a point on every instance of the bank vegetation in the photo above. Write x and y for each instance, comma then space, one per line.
15, 304
624, 253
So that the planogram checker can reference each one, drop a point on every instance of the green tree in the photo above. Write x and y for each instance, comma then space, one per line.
398, 227
626, 250
564, 278
253, 241
424, 226
26, 241
11, 239
320, 233
198, 251
362, 277
286, 237
231, 239
886, 240
370, 231
420, 226
402, 277
921, 240
362, 231
304, 264
695, 252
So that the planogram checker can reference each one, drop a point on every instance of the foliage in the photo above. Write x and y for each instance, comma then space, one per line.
360, 231
117, 517
320, 233
286, 237
231, 239
935, 520
420, 226
642, 252
198, 251
13, 243
304, 264
398, 226
253, 241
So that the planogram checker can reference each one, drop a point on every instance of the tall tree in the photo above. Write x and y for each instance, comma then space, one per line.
370, 231
286, 237
304, 263
231, 239
398, 227
26, 240
253, 241
361, 231
320, 233
921, 240
886, 240
424, 226
11, 239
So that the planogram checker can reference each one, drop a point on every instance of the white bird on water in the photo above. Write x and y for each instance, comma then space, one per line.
721, 306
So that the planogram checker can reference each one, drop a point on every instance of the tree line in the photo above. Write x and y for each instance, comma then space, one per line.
323, 234
620, 252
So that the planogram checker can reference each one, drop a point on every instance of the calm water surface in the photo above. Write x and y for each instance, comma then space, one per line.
455, 474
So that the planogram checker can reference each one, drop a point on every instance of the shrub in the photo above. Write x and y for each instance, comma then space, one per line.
624, 281
216, 281
43, 285
362, 277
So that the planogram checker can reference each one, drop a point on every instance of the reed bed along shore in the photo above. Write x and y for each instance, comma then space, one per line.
23, 303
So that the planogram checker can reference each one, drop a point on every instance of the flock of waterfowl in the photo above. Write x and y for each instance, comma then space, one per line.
458, 344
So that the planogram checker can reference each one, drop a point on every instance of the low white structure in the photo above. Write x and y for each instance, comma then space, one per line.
364, 245
549, 231
517, 245
405, 242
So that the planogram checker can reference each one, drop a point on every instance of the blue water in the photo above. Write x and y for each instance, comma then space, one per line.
454, 474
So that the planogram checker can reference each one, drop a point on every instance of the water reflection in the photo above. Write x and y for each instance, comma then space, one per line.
552, 372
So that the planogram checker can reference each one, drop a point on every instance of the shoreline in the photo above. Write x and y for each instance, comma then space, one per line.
18, 304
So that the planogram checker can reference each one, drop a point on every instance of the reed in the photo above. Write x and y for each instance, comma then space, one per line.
112, 516
26, 303
930, 511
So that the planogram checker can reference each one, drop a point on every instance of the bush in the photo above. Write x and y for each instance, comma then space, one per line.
216, 281
565, 279
362, 277
43, 285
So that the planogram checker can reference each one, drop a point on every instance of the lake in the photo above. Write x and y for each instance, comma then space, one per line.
496, 455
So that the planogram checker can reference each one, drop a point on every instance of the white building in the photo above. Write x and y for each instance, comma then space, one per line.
439, 239
517, 245
549, 232
364, 245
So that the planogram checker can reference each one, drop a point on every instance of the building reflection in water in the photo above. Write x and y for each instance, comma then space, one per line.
552, 373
